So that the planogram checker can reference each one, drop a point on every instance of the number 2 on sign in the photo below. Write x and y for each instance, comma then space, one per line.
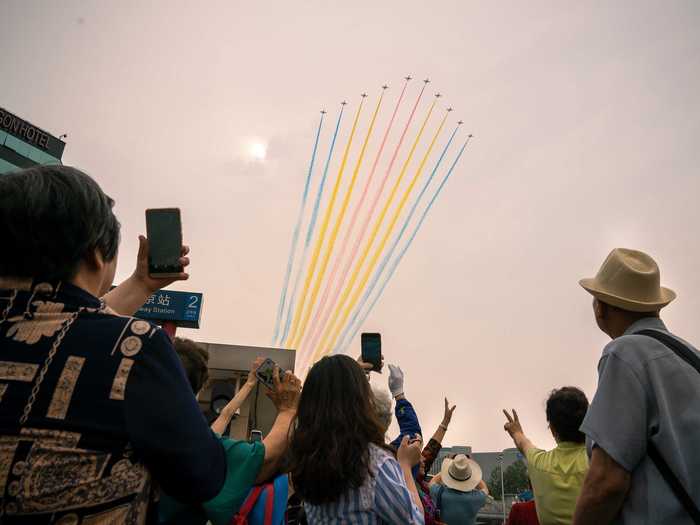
193, 301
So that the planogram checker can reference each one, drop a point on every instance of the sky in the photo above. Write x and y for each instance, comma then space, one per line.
585, 115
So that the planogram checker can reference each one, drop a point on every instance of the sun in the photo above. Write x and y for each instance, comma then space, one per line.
258, 151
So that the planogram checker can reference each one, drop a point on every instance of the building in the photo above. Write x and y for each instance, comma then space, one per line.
231, 364
488, 461
23, 144
445, 452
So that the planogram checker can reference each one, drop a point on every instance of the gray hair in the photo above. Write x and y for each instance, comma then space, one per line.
383, 404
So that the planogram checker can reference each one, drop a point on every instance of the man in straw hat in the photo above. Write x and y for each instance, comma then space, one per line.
458, 491
643, 425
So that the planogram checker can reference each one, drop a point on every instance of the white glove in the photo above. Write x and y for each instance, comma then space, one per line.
395, 380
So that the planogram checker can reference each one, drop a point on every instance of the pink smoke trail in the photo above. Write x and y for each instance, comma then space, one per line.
363, 229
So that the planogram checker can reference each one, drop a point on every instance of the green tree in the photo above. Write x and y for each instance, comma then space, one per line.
515, 479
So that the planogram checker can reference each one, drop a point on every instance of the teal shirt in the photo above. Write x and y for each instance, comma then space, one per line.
457, 508
243, 463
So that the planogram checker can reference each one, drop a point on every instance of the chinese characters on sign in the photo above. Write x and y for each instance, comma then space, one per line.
182, 308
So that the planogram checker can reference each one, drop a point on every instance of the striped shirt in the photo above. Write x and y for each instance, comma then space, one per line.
383, 498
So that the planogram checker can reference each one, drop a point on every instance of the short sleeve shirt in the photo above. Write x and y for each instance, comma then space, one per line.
645, 392
243, 463
557, 477
457, 508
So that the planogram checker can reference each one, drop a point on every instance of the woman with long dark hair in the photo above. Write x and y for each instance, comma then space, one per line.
340, 464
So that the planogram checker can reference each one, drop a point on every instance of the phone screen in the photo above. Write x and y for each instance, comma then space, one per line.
372, 350
164, 231
265, 373
255, 435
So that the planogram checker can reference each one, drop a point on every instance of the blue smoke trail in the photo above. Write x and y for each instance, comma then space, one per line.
295, 235
310, 230
344, 342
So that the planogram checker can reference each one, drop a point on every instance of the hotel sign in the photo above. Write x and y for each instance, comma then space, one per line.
30, 134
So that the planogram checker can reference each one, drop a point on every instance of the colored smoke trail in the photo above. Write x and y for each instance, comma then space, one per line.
311, 227
295, 235
379, 220
399, 236
378, 223
324, 227
346, 341
384, 240
338, 223
314, 329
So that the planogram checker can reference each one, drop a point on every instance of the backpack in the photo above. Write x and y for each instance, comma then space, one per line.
264, 505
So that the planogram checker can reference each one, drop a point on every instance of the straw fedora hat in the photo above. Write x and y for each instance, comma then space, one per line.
461, 473
629, 279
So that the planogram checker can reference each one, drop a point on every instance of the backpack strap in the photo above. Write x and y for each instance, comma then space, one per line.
269, 503
693, 359
241, 517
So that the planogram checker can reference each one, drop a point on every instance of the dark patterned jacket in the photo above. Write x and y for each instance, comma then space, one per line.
95, 412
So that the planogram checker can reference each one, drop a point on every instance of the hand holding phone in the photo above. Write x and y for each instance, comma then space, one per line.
372, 350
266, 373
164, 231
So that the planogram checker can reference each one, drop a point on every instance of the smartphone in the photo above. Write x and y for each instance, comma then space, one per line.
164, 232
255, 435
265, 373
372, 350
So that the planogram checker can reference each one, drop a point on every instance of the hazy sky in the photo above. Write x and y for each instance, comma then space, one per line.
586, 117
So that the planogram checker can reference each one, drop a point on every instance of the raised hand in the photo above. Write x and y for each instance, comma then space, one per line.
395, 380
448, 413
513, 425
409, 452
252, 378
153, 284
286, 391
367, 367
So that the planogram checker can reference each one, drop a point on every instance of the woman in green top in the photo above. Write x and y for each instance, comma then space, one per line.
247, 464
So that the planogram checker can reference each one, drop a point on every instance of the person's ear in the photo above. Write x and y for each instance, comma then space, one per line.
599, 309
94, 260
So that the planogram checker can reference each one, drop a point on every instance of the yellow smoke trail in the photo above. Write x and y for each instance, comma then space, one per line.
378, 252
373, 236
336, 228
324, 227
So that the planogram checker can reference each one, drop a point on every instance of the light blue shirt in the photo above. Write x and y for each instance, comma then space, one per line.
646, 392
382, 499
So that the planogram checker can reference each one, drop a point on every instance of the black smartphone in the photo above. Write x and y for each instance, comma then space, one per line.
255, 435
164, 232
372, 350
265, 373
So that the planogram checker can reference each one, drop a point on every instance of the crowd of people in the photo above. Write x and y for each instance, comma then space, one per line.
100, 423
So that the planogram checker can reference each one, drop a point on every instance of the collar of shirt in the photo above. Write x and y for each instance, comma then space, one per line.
647, 323
570, 444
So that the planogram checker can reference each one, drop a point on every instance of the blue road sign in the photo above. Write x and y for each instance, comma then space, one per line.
182, 308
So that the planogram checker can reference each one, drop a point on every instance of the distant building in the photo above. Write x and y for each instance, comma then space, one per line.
231, 364
445, 452
23, 144
488, 461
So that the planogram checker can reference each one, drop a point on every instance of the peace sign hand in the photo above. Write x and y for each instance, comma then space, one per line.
447, 418
512, 426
